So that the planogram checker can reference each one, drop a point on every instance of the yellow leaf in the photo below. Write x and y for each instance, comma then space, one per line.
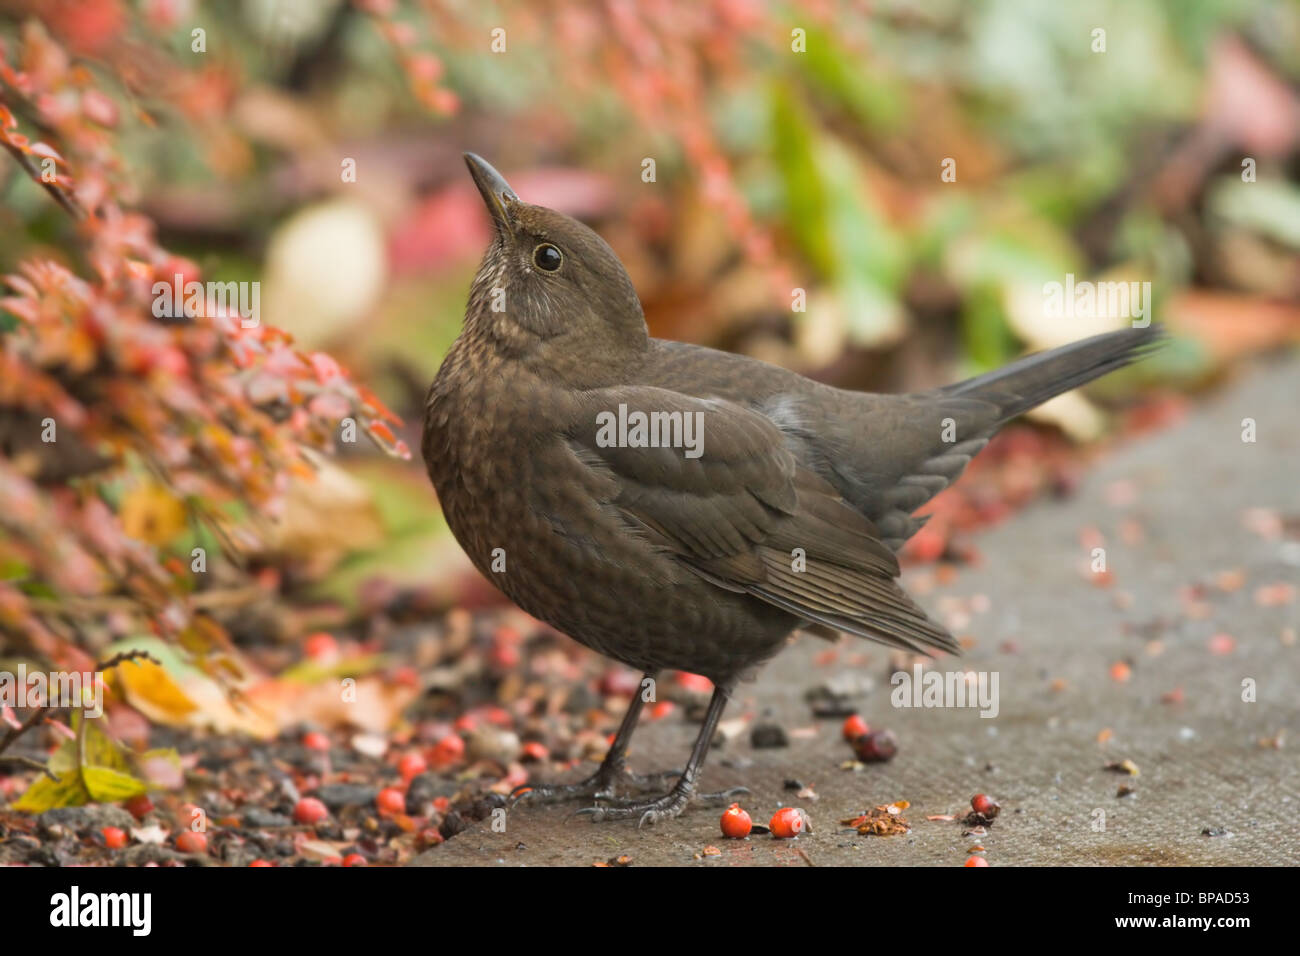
98, 748
151, 690
46, 794
150, 513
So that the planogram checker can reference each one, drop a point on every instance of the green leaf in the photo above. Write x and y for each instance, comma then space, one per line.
311, 672
46, 794
805, 195
110, 786
1270, 207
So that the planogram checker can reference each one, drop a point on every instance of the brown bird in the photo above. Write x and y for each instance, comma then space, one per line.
672, 506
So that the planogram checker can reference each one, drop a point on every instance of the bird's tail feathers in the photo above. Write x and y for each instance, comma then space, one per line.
1034, 379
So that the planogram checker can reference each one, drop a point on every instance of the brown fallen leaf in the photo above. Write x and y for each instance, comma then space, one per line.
881, 821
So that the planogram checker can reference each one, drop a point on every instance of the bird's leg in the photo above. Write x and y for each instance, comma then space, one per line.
612, 769
675, 800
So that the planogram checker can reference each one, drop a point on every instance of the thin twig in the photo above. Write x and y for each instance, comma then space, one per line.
16, 732
70, 205
124, 657
33, 763
203, 600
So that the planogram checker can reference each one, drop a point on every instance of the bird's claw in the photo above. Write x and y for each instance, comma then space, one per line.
666, 807
651, 812
599, 786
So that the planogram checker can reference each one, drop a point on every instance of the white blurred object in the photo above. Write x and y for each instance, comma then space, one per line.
325, 270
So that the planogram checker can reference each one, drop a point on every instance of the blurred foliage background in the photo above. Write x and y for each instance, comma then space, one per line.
315, 146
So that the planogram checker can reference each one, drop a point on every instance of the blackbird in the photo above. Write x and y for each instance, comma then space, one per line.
672, 506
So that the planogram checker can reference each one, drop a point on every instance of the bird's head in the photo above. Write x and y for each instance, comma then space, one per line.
549, 290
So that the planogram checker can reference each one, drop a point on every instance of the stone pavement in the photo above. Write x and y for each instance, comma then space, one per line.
1174, 510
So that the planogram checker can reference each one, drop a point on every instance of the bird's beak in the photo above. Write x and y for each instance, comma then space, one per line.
496, 192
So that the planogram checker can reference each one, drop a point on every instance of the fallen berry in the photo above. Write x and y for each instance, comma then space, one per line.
984, 804
696, 682
466, 723
855, 727
736, 823
321, 647
412, 765
139, 805
114, 837
391, 800
534, 750
876, 747
315, 740
448, 751
190, 841
310, 810
504, 657
786, 823
1222, 644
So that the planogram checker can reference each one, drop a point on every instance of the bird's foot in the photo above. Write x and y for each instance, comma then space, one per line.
599, 785
670, 805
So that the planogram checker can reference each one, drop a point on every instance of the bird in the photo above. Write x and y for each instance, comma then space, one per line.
675, 507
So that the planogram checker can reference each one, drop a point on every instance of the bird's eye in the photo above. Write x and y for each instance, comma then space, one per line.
547, 257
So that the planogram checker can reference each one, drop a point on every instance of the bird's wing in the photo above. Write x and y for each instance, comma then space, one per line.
746, 516
890, 454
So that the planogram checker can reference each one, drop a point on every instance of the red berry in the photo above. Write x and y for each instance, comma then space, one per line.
315, 740
448, 750
504, 657
405, 676
114, 837
139, 805
535, 750
695, 682
854, 728
354, 859
786, 823
310, 810
412, 765
321, 647
188, 841
736, 823
976, 861
984, 804
876, 746
619, 682
261, 863
391, 800
466, 723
